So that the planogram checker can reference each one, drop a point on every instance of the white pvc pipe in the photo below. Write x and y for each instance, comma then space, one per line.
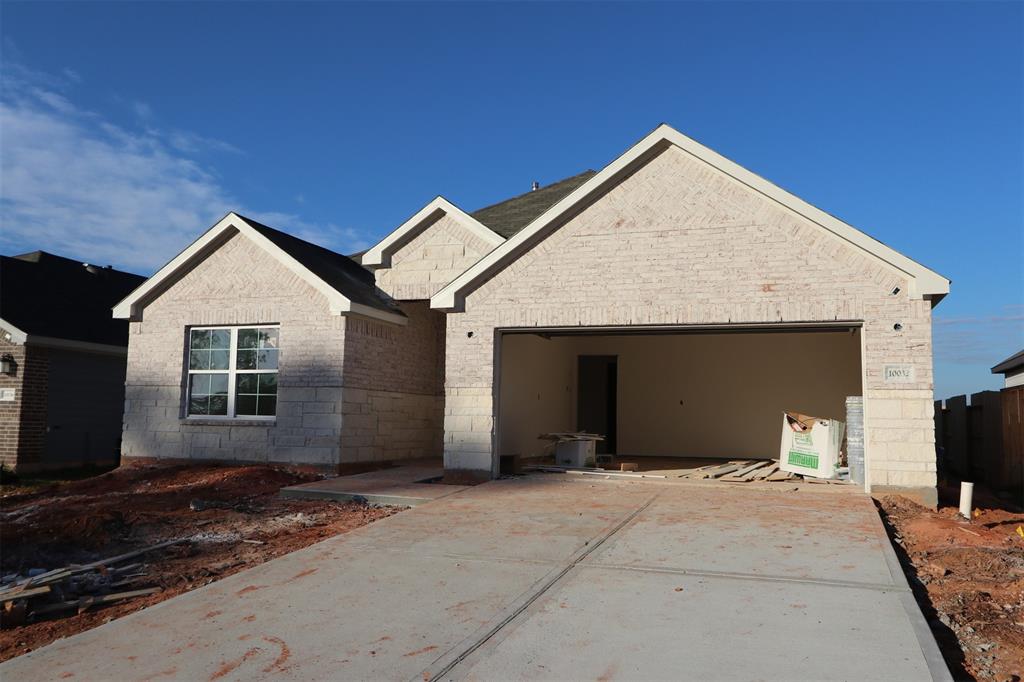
966, 497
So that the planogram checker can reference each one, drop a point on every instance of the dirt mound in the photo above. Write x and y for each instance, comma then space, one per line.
969, 576
232, 515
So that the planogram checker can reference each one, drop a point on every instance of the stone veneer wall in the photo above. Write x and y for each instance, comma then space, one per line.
239, 284
393, 394
23, 420
434, 257
678, 242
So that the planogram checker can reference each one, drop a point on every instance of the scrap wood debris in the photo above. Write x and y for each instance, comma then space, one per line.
230, 517
744, 471
733, 471
75, 587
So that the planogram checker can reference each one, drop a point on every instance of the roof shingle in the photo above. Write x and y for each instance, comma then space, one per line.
46, 295
511, 215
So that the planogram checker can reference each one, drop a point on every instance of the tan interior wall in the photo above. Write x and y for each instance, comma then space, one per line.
706, 395
537, 392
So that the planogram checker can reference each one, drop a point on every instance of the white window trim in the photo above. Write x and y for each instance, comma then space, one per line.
231, 371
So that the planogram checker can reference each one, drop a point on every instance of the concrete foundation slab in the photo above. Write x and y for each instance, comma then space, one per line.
600, 624
400, 486
544, 577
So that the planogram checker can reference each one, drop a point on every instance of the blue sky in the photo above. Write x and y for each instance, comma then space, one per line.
126, 129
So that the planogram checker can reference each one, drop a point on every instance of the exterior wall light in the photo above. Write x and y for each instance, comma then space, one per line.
7, 364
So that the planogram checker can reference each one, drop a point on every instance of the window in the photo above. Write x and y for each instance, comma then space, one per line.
232, 372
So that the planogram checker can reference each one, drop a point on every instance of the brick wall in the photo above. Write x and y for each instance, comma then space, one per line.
238, 284
23, 420
678, 242
393, 387
10, 412
436, 256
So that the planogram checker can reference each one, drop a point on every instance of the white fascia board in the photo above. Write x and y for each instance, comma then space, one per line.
338, 303
923, 282
17, 335
130, 306
374, 313
71, 344
379, 255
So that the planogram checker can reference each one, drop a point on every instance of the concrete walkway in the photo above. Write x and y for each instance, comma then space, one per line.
545, 578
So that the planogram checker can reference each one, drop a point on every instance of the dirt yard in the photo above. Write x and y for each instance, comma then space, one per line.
968, 577
231, 515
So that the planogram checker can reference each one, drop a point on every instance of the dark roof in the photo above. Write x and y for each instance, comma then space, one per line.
509, 216
350, 278
46, 295
1010, 363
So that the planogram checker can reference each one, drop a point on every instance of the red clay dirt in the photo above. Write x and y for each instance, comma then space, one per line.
134, 507
968, 577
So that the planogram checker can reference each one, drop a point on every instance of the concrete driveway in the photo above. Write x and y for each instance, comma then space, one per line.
546, 577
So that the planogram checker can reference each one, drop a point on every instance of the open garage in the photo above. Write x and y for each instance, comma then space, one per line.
796, 311
656, 393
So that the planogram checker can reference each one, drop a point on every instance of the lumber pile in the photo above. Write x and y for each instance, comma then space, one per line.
74, 588
744, 471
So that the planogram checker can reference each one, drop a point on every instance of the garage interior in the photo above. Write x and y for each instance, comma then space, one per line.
671, 398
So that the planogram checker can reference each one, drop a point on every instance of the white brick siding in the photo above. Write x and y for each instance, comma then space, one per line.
431, 259
393, 396
349, 389
678, 242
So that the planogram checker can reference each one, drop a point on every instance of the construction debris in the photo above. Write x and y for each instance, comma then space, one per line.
589, 471
77, 587
744, 471
115, 516
736, 471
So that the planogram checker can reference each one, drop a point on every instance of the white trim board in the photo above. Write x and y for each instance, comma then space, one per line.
379, 255
17, 335
131, 307
923, 282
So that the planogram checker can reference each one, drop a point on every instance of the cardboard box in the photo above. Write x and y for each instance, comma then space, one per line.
810, 445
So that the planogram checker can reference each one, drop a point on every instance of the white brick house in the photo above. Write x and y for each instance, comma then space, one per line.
710, 298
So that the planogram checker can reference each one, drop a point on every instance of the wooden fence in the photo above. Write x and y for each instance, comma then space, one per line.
983, 440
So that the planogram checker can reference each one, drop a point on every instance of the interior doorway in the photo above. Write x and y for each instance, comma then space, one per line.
597, 393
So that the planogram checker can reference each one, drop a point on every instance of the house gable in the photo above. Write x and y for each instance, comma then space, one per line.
921, 282
380, 254
346, 287
677, 234
437, 254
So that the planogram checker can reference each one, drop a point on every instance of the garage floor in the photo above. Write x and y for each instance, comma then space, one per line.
546, 577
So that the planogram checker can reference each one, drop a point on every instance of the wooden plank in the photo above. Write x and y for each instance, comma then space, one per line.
88, 602
719, 471
781, 476
19, 593
747, 472
127, 555
765, 472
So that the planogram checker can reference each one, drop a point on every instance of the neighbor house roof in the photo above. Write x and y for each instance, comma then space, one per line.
922, 282
348, 287
511, 215
44, 297
1009, 364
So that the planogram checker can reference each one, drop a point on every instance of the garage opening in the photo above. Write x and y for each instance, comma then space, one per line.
670, 398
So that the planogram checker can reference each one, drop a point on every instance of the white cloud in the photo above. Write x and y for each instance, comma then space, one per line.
142, 110
981, 340
78, 185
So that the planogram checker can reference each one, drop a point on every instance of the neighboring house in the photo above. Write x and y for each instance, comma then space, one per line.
674, 301
1012, 369
62, 384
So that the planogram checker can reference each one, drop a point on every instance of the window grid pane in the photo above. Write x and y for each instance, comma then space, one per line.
247, 389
